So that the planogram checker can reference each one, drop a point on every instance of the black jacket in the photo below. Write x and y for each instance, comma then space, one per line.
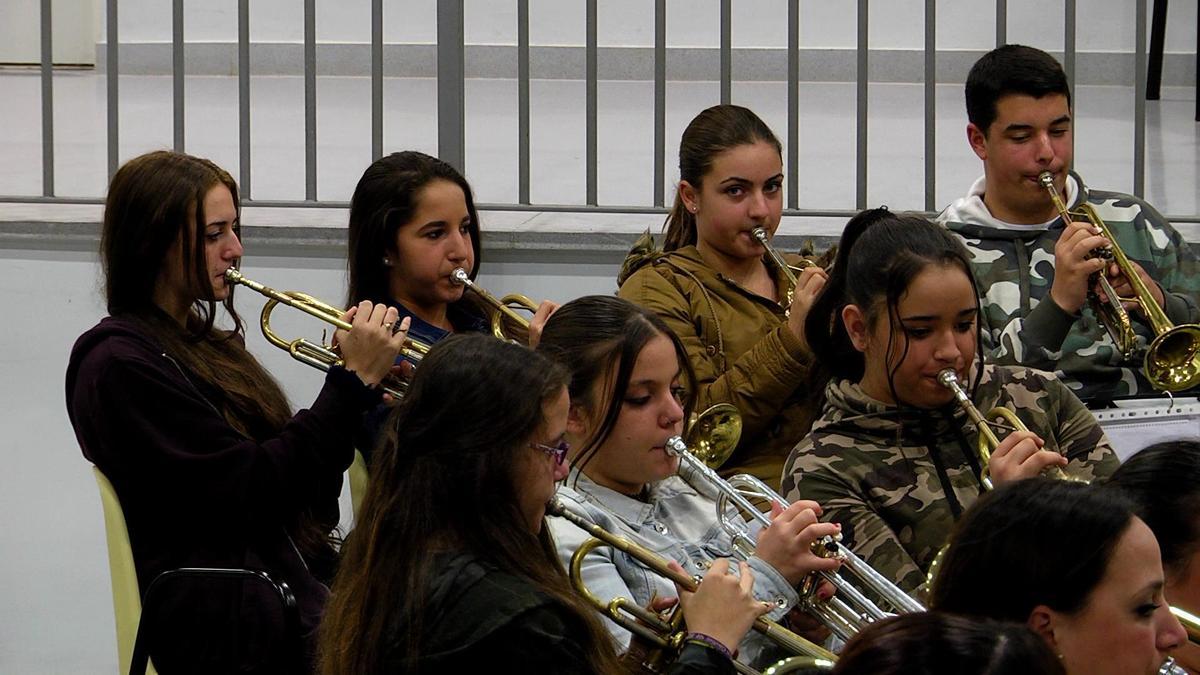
481, 619
197, 493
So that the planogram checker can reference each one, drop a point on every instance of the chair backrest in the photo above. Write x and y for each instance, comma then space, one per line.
127, 599
358, 482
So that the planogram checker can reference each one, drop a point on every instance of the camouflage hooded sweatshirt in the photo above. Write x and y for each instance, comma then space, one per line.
898, 478
1014, 268
739, 344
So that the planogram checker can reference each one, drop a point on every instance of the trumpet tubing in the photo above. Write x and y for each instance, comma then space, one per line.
503, 307
847, 612
761, 235
315, 354
1172, 360
988, 441
666, 633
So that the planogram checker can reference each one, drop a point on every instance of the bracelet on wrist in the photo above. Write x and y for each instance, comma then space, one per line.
710, 642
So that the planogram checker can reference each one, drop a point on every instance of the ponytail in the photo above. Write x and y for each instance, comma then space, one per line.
680, 226
879, 255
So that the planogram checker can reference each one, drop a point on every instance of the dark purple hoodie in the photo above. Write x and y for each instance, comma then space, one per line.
198, 493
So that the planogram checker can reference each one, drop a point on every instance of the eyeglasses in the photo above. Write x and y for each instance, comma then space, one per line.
558, 452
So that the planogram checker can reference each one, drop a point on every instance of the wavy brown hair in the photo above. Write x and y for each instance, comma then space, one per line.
445, 481
598, 339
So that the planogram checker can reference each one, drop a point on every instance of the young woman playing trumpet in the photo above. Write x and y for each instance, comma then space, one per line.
1163, 481
211, 467
1072, 562
413, 222
451, 567
892, 457
738, 315
628, 374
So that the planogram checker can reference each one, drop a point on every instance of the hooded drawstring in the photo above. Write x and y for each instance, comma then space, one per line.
939, 463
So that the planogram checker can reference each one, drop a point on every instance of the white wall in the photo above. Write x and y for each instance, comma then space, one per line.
894, 24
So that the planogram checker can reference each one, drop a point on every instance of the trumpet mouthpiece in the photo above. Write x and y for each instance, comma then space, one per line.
232, 275
948, 378
1046, 179
460, 276
675, 446
555, 507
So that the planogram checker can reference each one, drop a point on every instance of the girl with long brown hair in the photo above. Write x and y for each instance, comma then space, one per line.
451, 567
211, 467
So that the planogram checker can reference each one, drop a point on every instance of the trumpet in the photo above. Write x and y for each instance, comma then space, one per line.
503, 306
988, 441
1172, 360
847, 612
317, 355
667, 634
1191, 624
789, 271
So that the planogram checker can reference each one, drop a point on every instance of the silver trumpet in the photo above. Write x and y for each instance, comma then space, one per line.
847, 612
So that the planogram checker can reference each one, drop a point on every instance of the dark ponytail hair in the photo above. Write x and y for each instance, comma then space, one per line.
1031, 542
591, 335
386, 198
879, 255
710, 133
1163, 481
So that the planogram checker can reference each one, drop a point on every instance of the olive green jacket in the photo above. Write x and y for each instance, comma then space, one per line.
738, 343
898, 478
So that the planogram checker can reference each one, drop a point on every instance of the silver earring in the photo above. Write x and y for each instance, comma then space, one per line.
387, 262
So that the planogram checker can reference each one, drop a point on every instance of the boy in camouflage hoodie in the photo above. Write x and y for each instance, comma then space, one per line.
1033, 271
892, 457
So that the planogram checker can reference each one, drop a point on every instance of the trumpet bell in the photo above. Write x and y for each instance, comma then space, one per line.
1173, 359
713, 435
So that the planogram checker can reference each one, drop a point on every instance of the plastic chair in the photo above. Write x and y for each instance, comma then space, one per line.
133, 635
358, 482
127, 598
155, 595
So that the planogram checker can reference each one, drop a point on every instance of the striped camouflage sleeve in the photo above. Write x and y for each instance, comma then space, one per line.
1178, 269
1080, 437
869, 536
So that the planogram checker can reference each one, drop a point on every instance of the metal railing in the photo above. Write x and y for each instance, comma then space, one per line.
451, 98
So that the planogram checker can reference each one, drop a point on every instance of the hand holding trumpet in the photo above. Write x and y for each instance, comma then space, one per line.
370, 347
787, 543
1021, 455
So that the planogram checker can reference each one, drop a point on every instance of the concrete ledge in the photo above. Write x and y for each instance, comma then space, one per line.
613, 63
508, 233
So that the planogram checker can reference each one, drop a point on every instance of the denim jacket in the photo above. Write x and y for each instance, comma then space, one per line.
678, 521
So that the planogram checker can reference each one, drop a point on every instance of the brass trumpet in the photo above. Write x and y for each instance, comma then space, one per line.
847, 612
789, 271
503, 306
317, 355
668, 634
988, 441
1191, 624
1173, 358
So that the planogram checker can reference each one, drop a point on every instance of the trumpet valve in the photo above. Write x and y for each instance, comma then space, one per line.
828, 546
